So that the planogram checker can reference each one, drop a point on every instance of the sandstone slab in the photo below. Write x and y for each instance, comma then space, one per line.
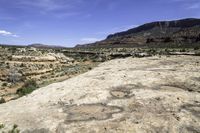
129, 95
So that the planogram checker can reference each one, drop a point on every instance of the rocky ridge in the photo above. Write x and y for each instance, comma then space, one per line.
168, 34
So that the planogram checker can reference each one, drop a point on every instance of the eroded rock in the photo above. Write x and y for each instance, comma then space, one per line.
88, 112
131, 98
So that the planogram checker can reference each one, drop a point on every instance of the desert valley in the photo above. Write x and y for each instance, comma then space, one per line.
144, 80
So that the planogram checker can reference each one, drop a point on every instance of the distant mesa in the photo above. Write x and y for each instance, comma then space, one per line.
176, 33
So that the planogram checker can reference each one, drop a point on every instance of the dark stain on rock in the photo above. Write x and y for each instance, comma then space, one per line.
192, 129
192, 108
118, 94
88, 112
196, 79
178, 86
158, 129
122, 92
42, 130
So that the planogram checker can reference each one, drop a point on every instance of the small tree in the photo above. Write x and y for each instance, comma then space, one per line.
167, 39
198, 38
149, 40
196, 48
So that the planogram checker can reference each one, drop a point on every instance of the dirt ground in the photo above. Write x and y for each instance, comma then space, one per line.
132, 95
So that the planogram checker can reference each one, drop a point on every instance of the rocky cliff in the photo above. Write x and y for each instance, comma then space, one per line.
177, 33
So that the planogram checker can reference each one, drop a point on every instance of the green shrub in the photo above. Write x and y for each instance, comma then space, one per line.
2, 100
2, 126
196, 48
4, 84
183, 50
14, 129
167, 51
27, 88
197, 53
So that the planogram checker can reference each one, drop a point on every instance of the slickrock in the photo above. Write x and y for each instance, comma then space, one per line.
129, 95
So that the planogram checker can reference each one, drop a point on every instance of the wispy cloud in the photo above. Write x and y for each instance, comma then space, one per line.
67, 14
194, 6
7, 33
116, 29
189, 4
47, 5
7, 18
112, 5
56, 8
90, 40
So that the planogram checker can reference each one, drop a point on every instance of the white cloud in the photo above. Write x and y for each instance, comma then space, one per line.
3, 32
49, 5
194, 6
68, 14
116, 29
56, 8
189, 1
6, 18
90, 40
7, 33
188, 4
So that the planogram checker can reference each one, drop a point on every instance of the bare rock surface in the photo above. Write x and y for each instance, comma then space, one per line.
143, 95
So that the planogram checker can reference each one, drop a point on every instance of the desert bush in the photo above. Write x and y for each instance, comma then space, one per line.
27, 88
2, 126
14, 76
14, 129
152, 51
183, 50
196, 48
149, 40
198, 38
22, 65
197, 53
51, 65
89, 68
2, 100
5, 84
167, 39
167, 51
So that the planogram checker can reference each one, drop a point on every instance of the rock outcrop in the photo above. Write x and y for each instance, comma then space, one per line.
155, 94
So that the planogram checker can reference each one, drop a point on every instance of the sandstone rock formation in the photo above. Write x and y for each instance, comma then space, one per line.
143, 95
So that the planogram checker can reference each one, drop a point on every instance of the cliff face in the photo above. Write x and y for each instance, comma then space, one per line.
162, 27
185, 31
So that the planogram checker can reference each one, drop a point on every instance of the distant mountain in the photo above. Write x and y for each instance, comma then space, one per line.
177, 33
37, 45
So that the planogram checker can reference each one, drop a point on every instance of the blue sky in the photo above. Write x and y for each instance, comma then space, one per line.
71, 22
